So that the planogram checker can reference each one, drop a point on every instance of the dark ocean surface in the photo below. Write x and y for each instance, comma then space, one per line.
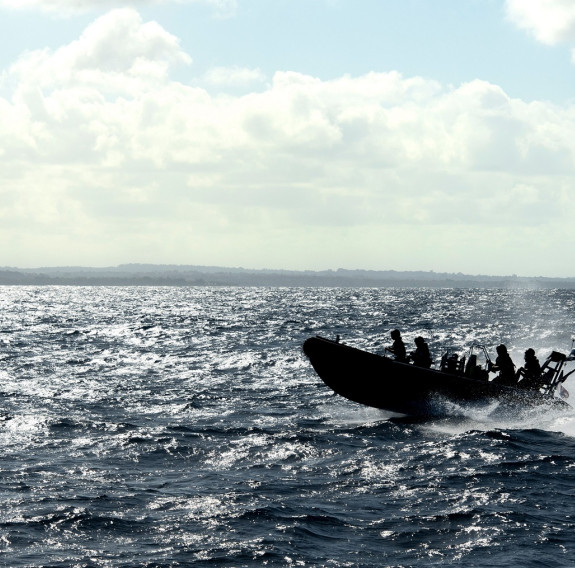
184, 427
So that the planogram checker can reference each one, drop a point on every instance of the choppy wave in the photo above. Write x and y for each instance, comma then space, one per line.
183, 426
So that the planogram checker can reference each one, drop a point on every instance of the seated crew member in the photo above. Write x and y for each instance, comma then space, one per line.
421, 356
531, 371
505, 366
398, 347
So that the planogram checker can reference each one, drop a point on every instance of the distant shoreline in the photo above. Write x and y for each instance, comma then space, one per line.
182, 275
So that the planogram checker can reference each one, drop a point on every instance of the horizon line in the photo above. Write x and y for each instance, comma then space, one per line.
308, 271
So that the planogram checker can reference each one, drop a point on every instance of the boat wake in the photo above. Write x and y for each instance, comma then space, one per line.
454, 418
463, 417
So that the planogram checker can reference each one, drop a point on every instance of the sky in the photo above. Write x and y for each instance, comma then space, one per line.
289, 134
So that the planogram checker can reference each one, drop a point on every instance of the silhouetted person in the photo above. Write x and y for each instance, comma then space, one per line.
531, 371
398, 347
505, 366
421, 356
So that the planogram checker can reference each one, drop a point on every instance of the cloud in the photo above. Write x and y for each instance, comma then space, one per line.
118, 52
106, 158
71, 7
550, 21
234, 76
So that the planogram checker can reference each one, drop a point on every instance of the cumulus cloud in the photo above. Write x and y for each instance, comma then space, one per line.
118, 51
97, 139
550, 21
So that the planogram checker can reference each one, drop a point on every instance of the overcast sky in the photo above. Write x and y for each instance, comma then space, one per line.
298, 134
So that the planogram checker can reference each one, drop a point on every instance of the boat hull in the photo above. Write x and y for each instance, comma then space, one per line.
381, 382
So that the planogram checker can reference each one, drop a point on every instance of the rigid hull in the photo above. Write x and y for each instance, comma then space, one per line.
381, 382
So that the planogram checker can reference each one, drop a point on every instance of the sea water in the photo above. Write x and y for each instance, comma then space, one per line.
184, 427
